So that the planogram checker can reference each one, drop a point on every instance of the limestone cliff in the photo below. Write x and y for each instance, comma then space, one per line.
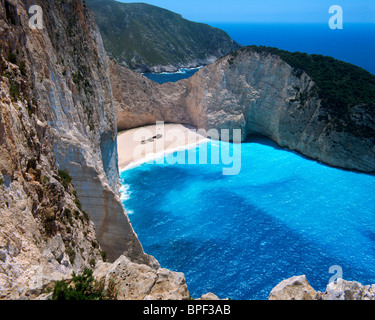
58, 163
259, 93
139, 101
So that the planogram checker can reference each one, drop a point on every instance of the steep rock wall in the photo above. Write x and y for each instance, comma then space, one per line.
58, 151
139, 101
260, 93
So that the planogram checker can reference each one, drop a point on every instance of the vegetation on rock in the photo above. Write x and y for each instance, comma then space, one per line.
341, 84
141, 35
83, 287
347, 91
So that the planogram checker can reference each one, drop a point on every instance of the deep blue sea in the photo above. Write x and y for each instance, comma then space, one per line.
240, 235
355, 43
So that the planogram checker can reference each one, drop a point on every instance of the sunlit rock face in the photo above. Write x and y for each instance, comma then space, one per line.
60, 209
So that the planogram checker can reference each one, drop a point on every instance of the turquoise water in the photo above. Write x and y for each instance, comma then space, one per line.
239, 236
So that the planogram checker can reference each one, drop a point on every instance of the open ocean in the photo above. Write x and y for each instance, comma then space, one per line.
354, 44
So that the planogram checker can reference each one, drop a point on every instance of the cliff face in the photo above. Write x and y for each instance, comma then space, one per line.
259, 93
58, 164
139, 101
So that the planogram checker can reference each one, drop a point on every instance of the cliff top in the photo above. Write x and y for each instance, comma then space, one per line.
340, 83
346, 90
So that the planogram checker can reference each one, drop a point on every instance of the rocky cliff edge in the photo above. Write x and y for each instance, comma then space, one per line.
59, 201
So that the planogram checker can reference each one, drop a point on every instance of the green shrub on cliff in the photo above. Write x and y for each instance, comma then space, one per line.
65, 178
14, 91
12, 58
83, 287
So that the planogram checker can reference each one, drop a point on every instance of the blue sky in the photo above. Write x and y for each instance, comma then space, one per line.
309, 11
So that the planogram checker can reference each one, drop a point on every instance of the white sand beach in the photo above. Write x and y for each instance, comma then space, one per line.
139, 145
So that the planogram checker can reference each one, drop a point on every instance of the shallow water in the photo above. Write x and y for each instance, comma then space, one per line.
239, 236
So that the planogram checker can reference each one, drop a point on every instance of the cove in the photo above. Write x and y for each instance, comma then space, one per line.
239, 236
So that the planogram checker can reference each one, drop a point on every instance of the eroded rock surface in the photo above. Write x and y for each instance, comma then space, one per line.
59, 205
295, 288
141, 282
298, 288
